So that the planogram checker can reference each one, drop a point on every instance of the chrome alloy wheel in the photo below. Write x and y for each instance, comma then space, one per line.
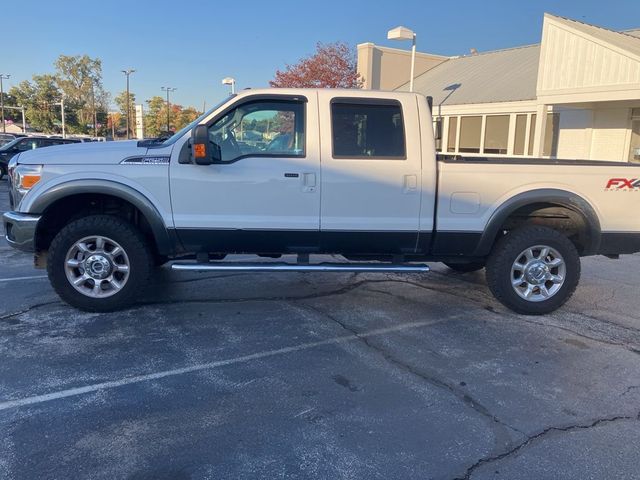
538, 273
97, 266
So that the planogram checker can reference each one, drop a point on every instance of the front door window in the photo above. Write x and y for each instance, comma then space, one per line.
261, 129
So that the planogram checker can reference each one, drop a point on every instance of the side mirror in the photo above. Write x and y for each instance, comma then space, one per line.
203, 151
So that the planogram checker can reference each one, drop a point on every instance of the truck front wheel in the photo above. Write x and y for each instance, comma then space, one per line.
533, 270
98, 263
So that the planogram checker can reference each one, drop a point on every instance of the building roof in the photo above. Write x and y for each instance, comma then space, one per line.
474, 78
505, 75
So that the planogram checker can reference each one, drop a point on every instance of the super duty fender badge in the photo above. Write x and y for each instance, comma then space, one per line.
146, 160
628, 184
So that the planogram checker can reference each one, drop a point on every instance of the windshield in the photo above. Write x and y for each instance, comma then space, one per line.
184, 130
7, 146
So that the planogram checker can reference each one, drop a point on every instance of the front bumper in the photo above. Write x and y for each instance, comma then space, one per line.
20, 230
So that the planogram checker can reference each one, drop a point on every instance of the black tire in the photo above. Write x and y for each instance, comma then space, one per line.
126, 235
509, 248
465, 267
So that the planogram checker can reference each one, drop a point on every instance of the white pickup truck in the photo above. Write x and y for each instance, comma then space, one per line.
288, 171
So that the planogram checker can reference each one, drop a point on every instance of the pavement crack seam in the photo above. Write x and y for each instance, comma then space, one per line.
532, 438
28, 309
629, 389
460, 394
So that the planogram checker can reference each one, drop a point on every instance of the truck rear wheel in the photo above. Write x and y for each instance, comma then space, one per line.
98, 263
533, 270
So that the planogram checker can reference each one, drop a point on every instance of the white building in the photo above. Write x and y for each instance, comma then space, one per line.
576, 95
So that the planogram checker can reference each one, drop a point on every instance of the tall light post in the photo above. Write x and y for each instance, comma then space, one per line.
168, 90
3, 77
93, 107
403, 33
64, 127
127, 73
230, 81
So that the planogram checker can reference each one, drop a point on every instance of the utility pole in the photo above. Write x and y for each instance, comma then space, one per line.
64, 130
3, 77
168, 90
127, 73
93, 107
24, 122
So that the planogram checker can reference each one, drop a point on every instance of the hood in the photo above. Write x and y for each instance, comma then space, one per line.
96, 153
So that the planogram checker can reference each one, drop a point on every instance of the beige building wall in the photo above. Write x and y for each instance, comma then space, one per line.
611, 134
383, 68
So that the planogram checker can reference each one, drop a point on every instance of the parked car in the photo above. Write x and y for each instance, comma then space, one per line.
6, 138
358, 176
22, 144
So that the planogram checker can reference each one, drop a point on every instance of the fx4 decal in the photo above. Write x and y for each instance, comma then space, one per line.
623, 184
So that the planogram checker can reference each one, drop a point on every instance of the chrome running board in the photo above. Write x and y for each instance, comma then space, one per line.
300, 267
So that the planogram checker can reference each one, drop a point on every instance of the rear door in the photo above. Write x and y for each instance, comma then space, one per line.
371, 174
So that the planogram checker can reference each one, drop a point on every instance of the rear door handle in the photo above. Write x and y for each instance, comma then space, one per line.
410, 183
309, 182
291, 175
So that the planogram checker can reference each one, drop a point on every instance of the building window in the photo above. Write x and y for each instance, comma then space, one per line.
452, 135
551, 135
496, 134
367, 130
470, 134
521, 134
532, 133
634, 152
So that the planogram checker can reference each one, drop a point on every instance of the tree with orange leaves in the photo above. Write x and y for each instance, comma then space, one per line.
333, 65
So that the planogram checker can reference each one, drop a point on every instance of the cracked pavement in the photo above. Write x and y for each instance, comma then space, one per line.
332, 376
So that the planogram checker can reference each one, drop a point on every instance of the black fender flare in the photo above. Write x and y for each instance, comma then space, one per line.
553, 196
164, 243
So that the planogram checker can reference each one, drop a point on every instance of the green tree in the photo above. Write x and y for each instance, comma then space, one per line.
39, 96
80, 78
185, 117
121, 101
155, 117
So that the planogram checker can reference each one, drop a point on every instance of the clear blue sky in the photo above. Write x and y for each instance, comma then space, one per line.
192, 45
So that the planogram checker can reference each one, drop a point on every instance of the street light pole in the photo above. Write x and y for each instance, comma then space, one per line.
127, 73
403, 33
3, 77
230, 81
168, 90
93, 107
64, 130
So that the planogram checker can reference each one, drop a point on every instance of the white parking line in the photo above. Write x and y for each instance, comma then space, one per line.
14, 279
203, 366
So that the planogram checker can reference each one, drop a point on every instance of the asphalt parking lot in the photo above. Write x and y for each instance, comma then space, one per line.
333, 376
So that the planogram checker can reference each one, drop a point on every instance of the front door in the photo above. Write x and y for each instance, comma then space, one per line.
371, 174
263, 196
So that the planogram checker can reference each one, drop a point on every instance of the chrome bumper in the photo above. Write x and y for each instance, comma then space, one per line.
20, 230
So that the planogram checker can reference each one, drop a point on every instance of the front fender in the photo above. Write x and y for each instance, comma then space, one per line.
37, 204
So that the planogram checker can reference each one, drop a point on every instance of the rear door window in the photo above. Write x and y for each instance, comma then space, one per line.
368, 130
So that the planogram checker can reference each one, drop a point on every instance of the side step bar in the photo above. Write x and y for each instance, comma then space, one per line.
299, 267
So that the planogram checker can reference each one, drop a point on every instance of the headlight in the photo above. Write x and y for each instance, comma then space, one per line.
24, 177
